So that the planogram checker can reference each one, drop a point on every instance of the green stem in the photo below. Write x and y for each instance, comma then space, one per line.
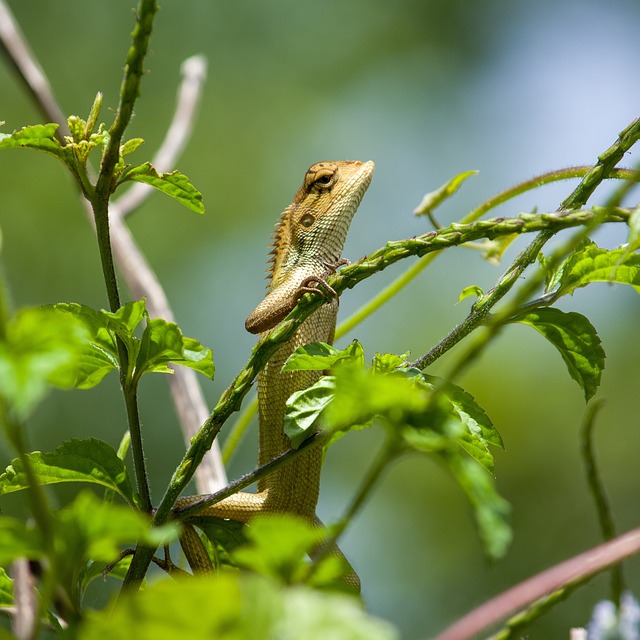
389, 451
414, 270
485, 304
137, 450
229, 402
596, 487
604, 167
249, 478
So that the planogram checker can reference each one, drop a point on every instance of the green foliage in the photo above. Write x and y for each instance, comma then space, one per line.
266, 593
233, 607
174, 184
591, 263
6, 589
436, 198
161, 344
577, 341
74, 153
91, 460
40, 348
420, 413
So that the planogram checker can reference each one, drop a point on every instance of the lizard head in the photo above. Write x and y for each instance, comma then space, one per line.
310, 235
314, 227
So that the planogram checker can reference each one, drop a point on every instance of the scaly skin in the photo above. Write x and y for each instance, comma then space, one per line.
309, 239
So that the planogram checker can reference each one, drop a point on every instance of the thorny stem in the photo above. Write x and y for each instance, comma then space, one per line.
414, 270
484, 304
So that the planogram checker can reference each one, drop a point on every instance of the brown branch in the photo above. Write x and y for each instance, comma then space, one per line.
576, 570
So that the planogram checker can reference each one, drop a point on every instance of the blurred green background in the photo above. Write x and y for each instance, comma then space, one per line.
426, 89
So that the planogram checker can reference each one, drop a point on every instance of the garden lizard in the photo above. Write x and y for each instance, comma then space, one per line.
308, 242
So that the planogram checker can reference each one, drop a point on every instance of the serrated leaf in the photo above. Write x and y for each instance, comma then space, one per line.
304, 407
389, 362
490, 509
126, 319
594, 264
435, 198
38, 136
470, 291
163, 343
360, 395
577, 341
90, 460
99, 354
174, 184
42, 347
319, 356
470, 413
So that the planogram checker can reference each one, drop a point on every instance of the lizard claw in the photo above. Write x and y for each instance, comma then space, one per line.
317, 284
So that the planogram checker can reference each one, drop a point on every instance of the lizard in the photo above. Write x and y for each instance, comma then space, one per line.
308, 242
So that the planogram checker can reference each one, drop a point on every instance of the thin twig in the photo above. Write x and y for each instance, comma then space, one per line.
598, 492
194, 73
21, 56
25, 615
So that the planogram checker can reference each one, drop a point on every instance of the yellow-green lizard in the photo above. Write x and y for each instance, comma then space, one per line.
308, 242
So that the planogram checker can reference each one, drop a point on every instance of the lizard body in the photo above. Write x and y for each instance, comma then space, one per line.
308, 241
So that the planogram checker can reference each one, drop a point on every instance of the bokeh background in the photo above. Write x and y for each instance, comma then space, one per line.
427, 89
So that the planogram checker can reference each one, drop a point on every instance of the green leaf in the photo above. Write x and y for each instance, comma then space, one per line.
593, 264
246, 607
130, 146
38, 136
490, 509
127, 318
174, 184
494, 249
89, 460
6, 589
90, 530
360, 395
319, 356
225, 535
435, 198
278, 547
18, 541
470, 291
577, 341
163, 343
99, 354
390, 362
304, 407
42, 347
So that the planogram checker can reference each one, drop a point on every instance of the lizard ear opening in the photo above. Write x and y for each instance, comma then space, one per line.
307, 220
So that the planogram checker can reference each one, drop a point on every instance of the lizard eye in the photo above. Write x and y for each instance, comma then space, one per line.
307, 220
323, 181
